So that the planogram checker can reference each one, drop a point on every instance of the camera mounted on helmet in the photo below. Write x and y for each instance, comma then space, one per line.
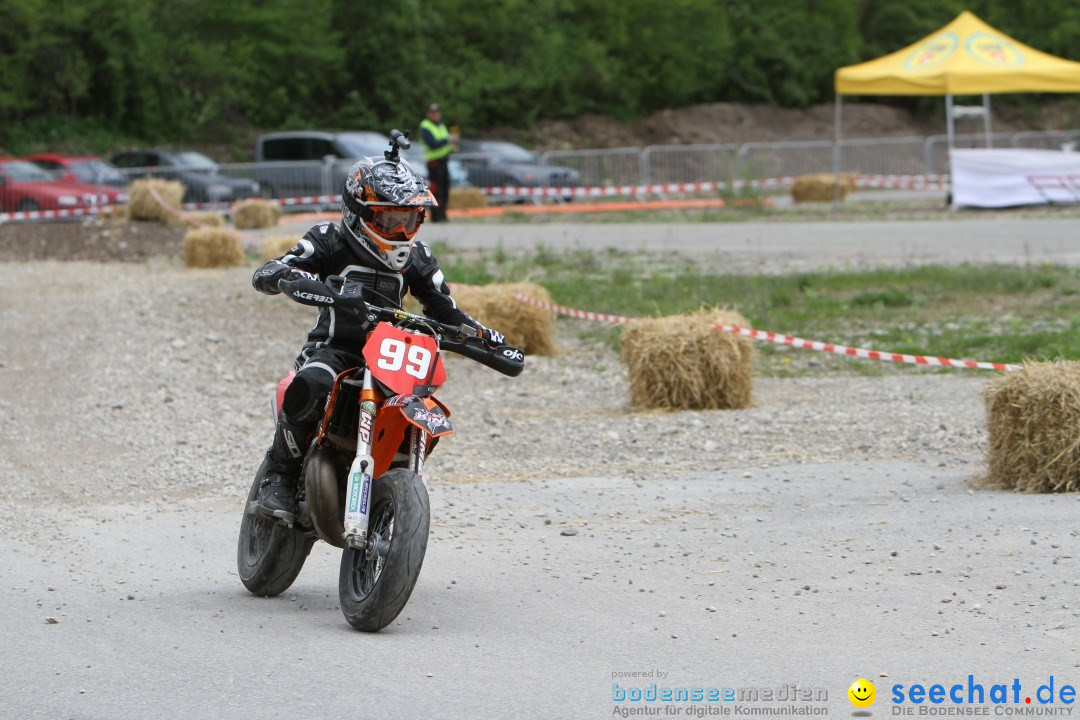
383, 204
398, 141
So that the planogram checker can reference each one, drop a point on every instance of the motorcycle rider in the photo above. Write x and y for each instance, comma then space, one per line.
383, 204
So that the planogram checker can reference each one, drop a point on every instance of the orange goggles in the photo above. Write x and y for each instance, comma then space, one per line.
393, 222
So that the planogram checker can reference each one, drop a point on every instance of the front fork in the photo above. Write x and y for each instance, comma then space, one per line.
358, 491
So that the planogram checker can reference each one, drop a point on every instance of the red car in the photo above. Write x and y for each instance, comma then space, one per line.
24, 187
88, 170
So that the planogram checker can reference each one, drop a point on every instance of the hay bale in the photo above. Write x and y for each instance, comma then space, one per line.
193, 220
211, 247
116, 213
276, 245
822, 187
525, 326
1034, 428
466, 198
683, 362
255, 214
143, 206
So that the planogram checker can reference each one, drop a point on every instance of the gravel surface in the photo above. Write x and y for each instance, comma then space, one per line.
830, 532
153, 381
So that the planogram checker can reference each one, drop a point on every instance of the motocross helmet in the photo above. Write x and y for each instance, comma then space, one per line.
383, 204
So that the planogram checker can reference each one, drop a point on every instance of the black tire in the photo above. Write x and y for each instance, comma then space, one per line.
269, 555
372, 593
27, 205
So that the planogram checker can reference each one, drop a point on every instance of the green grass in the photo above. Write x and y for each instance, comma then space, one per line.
998, 313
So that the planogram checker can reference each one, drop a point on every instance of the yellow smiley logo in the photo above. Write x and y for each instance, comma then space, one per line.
993, 50
862, 693
932, 52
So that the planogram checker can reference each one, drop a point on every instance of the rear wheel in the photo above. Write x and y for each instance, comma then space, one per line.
376, 581
28, 205
269, 555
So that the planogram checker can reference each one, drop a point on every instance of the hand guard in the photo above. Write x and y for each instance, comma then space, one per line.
493, 338
307, 291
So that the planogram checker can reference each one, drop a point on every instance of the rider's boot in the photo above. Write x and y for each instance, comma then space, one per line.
277, 497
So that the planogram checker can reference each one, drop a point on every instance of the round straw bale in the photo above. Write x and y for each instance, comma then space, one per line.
684, 362
822, 187
276, 245
255, 214
143, 206
1033, 418
465, 198
525, 326
212, 247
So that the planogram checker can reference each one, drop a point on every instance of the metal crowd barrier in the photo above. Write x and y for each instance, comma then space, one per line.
306, 184
909, 155
657, 164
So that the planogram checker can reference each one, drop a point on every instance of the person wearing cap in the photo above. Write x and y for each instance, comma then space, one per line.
438, 145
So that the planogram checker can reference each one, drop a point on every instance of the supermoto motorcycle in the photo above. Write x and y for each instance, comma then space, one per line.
362, 484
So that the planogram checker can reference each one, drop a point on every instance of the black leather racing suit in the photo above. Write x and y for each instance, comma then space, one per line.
336, 341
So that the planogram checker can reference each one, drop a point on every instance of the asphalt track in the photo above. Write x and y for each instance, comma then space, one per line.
814, 575
798, 245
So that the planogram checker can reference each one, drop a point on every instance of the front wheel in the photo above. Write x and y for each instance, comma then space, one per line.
269, 555
376, 581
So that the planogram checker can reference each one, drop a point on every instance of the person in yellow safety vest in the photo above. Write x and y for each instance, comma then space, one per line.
438, 145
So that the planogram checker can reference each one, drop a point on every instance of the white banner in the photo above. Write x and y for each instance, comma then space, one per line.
989, 178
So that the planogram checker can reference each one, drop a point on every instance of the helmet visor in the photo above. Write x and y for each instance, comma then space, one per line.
393, 222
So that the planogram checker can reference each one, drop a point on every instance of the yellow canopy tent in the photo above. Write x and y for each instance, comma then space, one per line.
966, 57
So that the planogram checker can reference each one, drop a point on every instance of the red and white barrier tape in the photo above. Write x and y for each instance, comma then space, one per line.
285, 202
98, 209
906, 182
609, 191
51, 214
786, 340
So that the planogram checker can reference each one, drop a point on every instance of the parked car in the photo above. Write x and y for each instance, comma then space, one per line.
496, 163
24, 187
304, 163
200, 175
86, 171
84, 168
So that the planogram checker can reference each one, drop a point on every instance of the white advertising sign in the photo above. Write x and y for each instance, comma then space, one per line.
988, 178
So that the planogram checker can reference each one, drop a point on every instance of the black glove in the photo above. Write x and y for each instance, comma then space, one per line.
292, 275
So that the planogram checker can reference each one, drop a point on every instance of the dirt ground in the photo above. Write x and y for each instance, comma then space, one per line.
89, 239
738, 123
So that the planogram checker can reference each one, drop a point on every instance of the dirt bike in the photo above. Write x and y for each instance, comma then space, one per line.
362, 484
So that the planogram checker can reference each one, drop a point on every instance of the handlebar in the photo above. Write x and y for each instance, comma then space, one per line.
506, 359
464, 340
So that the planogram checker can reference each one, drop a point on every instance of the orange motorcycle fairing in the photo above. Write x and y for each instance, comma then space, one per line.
395, 415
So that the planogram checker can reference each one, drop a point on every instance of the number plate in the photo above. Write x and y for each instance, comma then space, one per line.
403, 360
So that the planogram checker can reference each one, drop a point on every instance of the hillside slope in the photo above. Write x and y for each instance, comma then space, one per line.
737, 123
